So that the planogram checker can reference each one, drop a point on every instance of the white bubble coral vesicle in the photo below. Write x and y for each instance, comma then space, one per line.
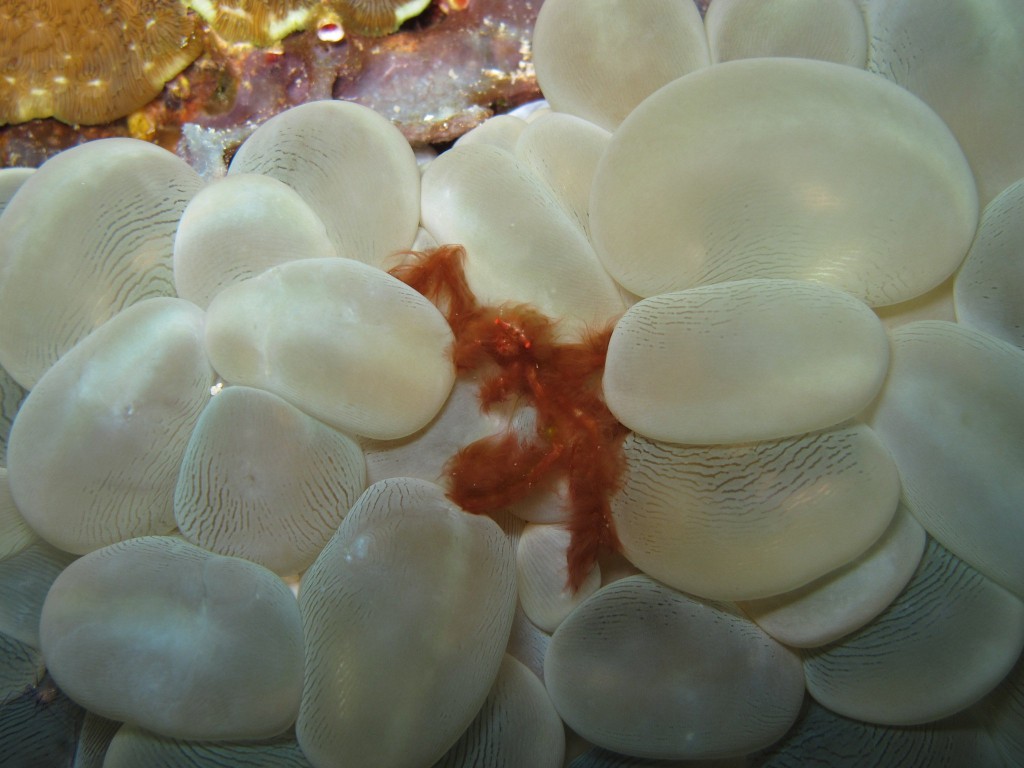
744, 360
95, 450
784, 168
262, 480
563, 151
848, 598
737, 522
239, 226
406, 613
965, 58
828, 30
989, 288
952, 413
644, 670
352, 166
587, 57
160, 633
345, 342
517, 726
946, 641
521, 243
542, 576
132, 747
85, 236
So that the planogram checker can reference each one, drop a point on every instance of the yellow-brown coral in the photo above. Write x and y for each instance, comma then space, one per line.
258, 22
377, 17
89, 61
265, 22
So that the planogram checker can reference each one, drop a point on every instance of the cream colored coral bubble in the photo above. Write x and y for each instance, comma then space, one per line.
989, 289
345, 342
744, 360
784, 168
952, 414
95, 449
406, 613
522, 245
597, 59
262, 480
86, 235
644, 670
965, 59
946, 641
848, 598
737, 522
239, 226
828, 30
351, 166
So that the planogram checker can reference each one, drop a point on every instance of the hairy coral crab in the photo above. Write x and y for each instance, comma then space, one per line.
514, 347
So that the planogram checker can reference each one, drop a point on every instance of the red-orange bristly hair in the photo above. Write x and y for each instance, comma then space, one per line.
514, 348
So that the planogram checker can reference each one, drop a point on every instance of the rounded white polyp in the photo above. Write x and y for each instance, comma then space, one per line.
786, 168
352, 166
407, 612
343, 341
501, 131
739, 522
644, 670
952, 414
160, 633
95, 449
11, 180
86, 235
848, 598
744, 360
262, 480
25, 579
239, 226
563, 151
989, 289
521, 244
597, 59
946, 641
965, 58
828, 30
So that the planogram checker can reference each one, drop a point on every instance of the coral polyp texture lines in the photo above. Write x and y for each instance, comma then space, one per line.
514, 350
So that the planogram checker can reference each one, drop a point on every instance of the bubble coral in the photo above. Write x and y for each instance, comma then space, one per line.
83, 61
407, 610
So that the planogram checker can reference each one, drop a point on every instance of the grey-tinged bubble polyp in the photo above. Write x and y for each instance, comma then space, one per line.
739, 522
952, 415
157, 632
949, 638
351, 166
647, 671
